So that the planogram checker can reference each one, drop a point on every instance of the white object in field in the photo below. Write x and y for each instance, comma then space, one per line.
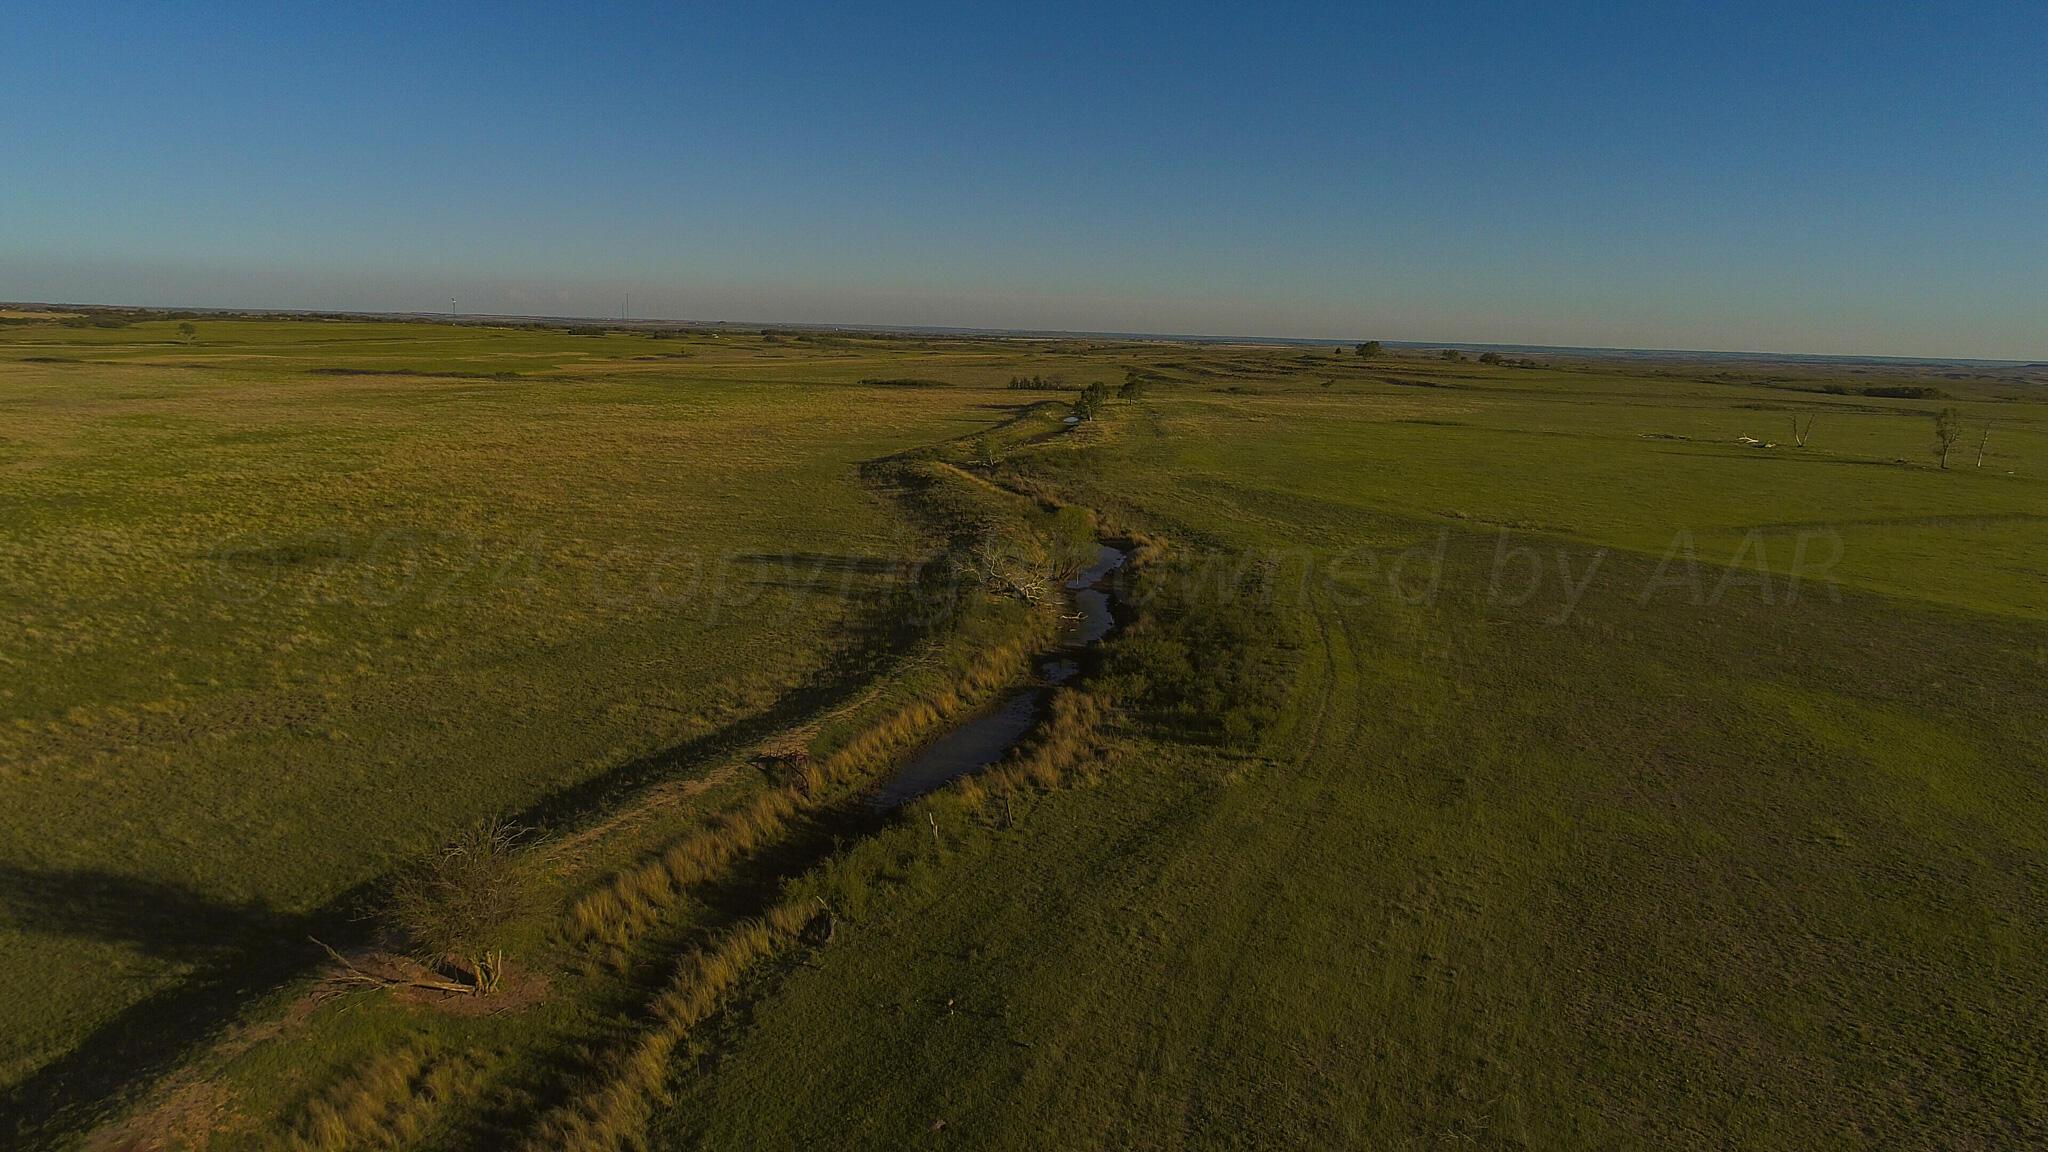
1071, 420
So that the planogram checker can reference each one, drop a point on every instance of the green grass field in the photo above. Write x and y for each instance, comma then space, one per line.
1747, 873
1558, 830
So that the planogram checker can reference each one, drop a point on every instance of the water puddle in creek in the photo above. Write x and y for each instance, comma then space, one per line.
983, 738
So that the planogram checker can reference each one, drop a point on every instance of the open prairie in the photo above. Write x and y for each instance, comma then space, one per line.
1559, 752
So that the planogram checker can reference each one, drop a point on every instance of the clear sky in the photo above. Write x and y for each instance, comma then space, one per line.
1865, 177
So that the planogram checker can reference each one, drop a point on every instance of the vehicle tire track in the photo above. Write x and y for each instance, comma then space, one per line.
1332, 629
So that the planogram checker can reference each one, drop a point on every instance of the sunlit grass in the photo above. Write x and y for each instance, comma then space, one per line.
283, 607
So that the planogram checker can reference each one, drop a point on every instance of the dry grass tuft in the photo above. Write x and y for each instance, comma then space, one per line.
638, 897
1070, 735
613, 1112
634, 900
388, 1103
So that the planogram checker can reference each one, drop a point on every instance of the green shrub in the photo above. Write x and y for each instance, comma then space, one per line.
1210, 661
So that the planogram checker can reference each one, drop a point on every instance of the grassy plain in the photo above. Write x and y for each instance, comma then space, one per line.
1750, 868
1610, 864
270, 627
1747, 873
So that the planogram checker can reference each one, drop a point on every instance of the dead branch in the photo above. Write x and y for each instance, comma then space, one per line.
353, 975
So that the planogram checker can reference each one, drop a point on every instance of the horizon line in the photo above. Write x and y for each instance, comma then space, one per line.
1590, 350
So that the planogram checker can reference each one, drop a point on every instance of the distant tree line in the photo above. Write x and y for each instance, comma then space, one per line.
1887, 391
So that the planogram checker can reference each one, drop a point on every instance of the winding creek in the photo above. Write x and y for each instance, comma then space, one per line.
985, 737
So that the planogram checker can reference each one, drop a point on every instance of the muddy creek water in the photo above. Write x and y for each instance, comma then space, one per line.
983, 738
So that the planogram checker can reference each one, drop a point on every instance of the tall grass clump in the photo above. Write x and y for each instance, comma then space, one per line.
613, 1109
387, 1103
638, 896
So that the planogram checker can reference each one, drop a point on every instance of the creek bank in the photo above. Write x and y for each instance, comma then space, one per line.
985, 737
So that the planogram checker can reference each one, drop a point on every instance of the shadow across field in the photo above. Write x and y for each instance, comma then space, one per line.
821, 571
164, 921
235, 950
243, 952
825, 562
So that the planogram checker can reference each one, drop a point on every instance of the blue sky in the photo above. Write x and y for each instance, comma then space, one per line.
1821, 177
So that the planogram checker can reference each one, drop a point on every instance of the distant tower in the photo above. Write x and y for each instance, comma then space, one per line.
451, 307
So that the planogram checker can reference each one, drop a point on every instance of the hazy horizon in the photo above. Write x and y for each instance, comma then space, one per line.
1825, 182
746, 322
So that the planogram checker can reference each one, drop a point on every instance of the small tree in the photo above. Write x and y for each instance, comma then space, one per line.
455, 907
187, 332
1983, 444
1369, 349
1451, 354
1092, 400
984, 451
1070, 543
1489, 357
1948, 428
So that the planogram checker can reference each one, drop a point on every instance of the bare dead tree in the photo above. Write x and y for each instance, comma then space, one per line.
1982, 444
1799, 436
1948, 428
1000, 565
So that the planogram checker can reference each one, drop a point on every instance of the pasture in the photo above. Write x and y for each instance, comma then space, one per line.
1593, 860
1622, 782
